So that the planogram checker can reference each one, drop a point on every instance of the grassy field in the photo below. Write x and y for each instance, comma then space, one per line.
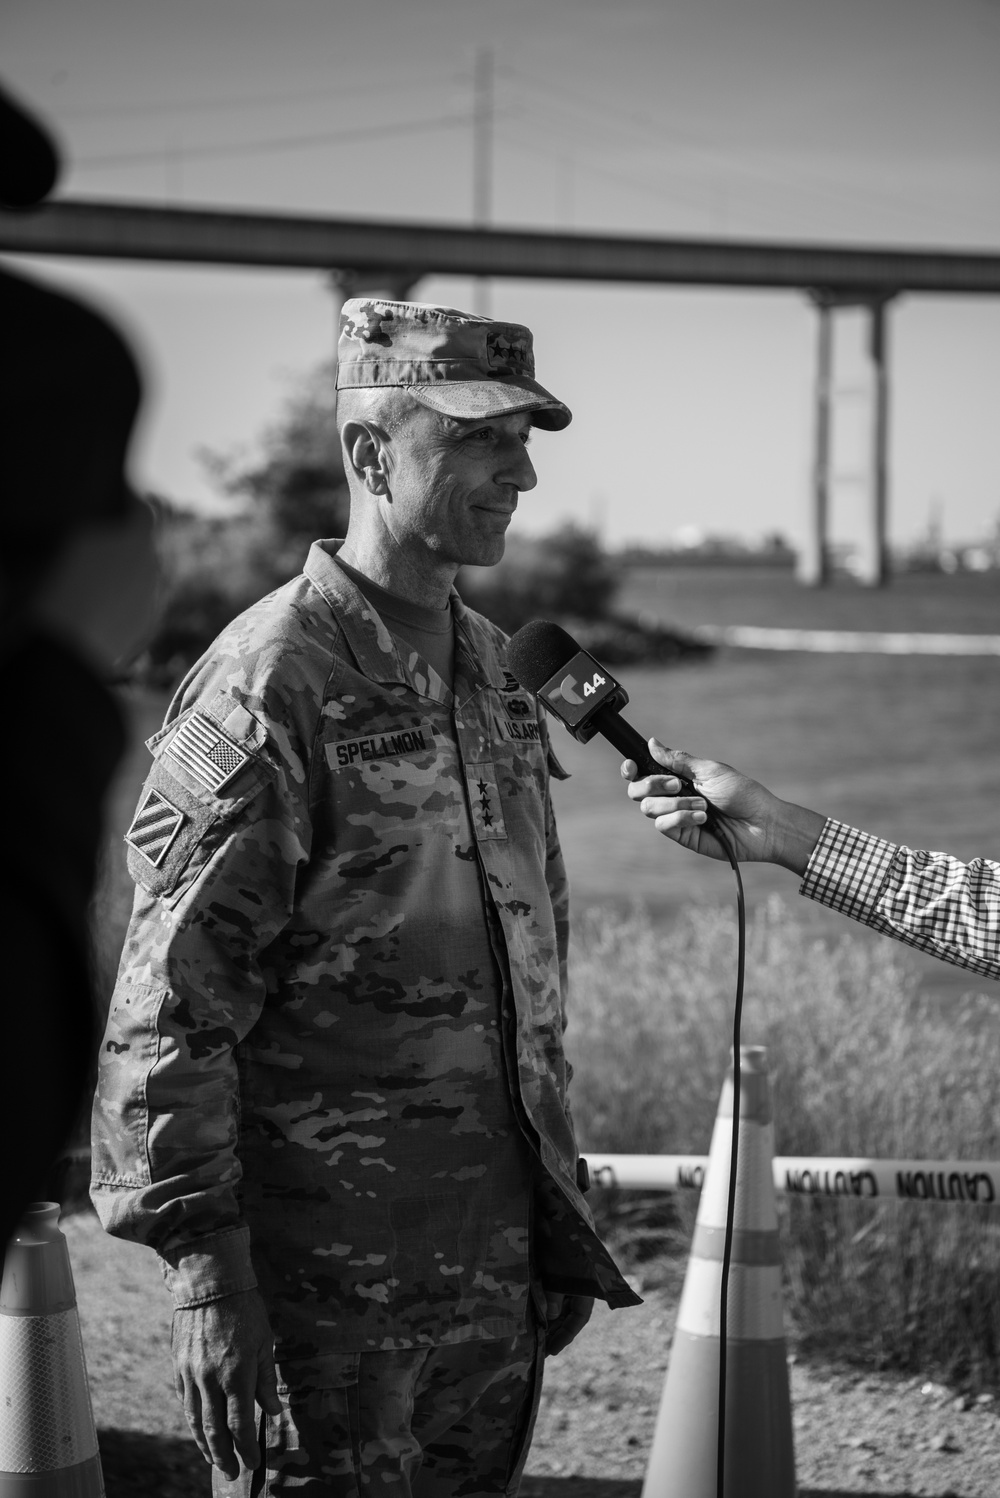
858, 1065
963, 603
906, 746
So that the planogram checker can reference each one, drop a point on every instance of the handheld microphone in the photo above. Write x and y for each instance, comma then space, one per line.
580, 692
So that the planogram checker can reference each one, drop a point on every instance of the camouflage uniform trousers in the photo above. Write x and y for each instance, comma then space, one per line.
453, 1421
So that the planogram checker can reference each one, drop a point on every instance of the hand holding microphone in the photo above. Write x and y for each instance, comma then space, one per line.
700, 803
760, 827
577, 690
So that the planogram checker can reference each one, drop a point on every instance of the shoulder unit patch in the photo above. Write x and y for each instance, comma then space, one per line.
206, 752
154, 827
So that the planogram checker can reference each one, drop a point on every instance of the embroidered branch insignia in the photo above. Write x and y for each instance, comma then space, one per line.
154, 827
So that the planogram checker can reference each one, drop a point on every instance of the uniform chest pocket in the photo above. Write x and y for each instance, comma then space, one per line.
199, 785
522, 733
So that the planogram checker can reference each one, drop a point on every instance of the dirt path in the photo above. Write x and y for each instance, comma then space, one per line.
861, 1435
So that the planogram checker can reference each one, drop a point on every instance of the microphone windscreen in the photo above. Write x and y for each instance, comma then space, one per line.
537, 651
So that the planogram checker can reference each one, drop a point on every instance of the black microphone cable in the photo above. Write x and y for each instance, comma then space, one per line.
714, 827
727, 1247
587, 700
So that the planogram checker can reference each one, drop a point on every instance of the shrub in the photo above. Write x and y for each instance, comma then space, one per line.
567, 576
290, 488
296, 472
567, 573
858, 1064
286, 492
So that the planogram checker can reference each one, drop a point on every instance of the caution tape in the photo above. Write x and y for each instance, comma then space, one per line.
975, 1181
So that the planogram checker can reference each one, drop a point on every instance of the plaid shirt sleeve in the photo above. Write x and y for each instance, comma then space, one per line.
928, 900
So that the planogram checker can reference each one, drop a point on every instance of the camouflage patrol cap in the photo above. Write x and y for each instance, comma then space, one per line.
454, 362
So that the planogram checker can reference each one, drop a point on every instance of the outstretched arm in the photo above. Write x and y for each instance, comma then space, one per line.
931, 901
761, 827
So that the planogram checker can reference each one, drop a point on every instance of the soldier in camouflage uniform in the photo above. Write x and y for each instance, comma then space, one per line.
332, 1090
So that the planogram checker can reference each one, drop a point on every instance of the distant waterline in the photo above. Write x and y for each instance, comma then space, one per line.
847, 642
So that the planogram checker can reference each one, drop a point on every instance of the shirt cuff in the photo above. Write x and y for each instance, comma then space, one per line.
209, 1268
848, 870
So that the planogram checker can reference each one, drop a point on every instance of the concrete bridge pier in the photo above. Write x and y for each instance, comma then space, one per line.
873, 561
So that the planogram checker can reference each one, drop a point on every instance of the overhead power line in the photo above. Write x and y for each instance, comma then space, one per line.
693, 197
784, 181
276, 143
212, 103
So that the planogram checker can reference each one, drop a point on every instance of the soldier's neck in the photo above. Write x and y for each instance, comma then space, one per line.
418, 577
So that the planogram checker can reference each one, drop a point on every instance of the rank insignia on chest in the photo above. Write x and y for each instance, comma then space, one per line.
154, 827
484, 802
206, 753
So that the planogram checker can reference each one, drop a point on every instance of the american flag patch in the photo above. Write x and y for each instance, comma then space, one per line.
206, 753
154, 827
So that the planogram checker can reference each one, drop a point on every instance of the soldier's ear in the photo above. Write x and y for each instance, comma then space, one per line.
365, 450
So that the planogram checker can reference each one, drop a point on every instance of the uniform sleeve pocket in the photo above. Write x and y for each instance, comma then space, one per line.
179, 823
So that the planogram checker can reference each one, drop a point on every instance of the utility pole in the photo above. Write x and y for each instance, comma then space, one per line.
482, 160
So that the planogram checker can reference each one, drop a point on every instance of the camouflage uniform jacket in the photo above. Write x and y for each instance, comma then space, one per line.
282, 1041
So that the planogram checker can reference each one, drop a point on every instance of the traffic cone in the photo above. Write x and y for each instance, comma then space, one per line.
758, 1456
48, 1443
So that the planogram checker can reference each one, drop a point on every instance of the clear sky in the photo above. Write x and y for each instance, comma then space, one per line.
843, 121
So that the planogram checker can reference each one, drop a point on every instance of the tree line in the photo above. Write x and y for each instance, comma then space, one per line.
292, 489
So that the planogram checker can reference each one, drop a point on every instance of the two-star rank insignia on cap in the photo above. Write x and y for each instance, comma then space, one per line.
154, 827
206, 753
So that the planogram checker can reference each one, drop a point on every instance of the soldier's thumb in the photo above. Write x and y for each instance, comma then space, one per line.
267, 1383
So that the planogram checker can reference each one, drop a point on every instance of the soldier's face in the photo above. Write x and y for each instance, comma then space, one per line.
455, 484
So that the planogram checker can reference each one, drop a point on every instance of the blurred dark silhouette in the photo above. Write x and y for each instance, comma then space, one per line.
77, 580
29, 161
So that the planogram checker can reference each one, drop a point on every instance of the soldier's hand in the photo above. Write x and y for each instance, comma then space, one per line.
565, 1316
223, 1362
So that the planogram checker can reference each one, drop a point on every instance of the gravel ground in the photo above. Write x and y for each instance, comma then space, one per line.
854, 1433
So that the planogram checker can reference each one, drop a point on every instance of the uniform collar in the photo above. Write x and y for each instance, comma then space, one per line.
477, 656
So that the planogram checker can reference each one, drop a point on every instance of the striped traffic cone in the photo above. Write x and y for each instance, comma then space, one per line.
758, 1456
48, 1443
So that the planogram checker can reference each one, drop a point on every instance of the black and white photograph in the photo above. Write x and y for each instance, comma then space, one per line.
500, 650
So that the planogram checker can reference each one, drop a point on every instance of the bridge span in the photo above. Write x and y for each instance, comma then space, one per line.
391, 257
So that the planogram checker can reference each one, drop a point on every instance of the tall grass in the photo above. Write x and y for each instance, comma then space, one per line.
858, 1066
